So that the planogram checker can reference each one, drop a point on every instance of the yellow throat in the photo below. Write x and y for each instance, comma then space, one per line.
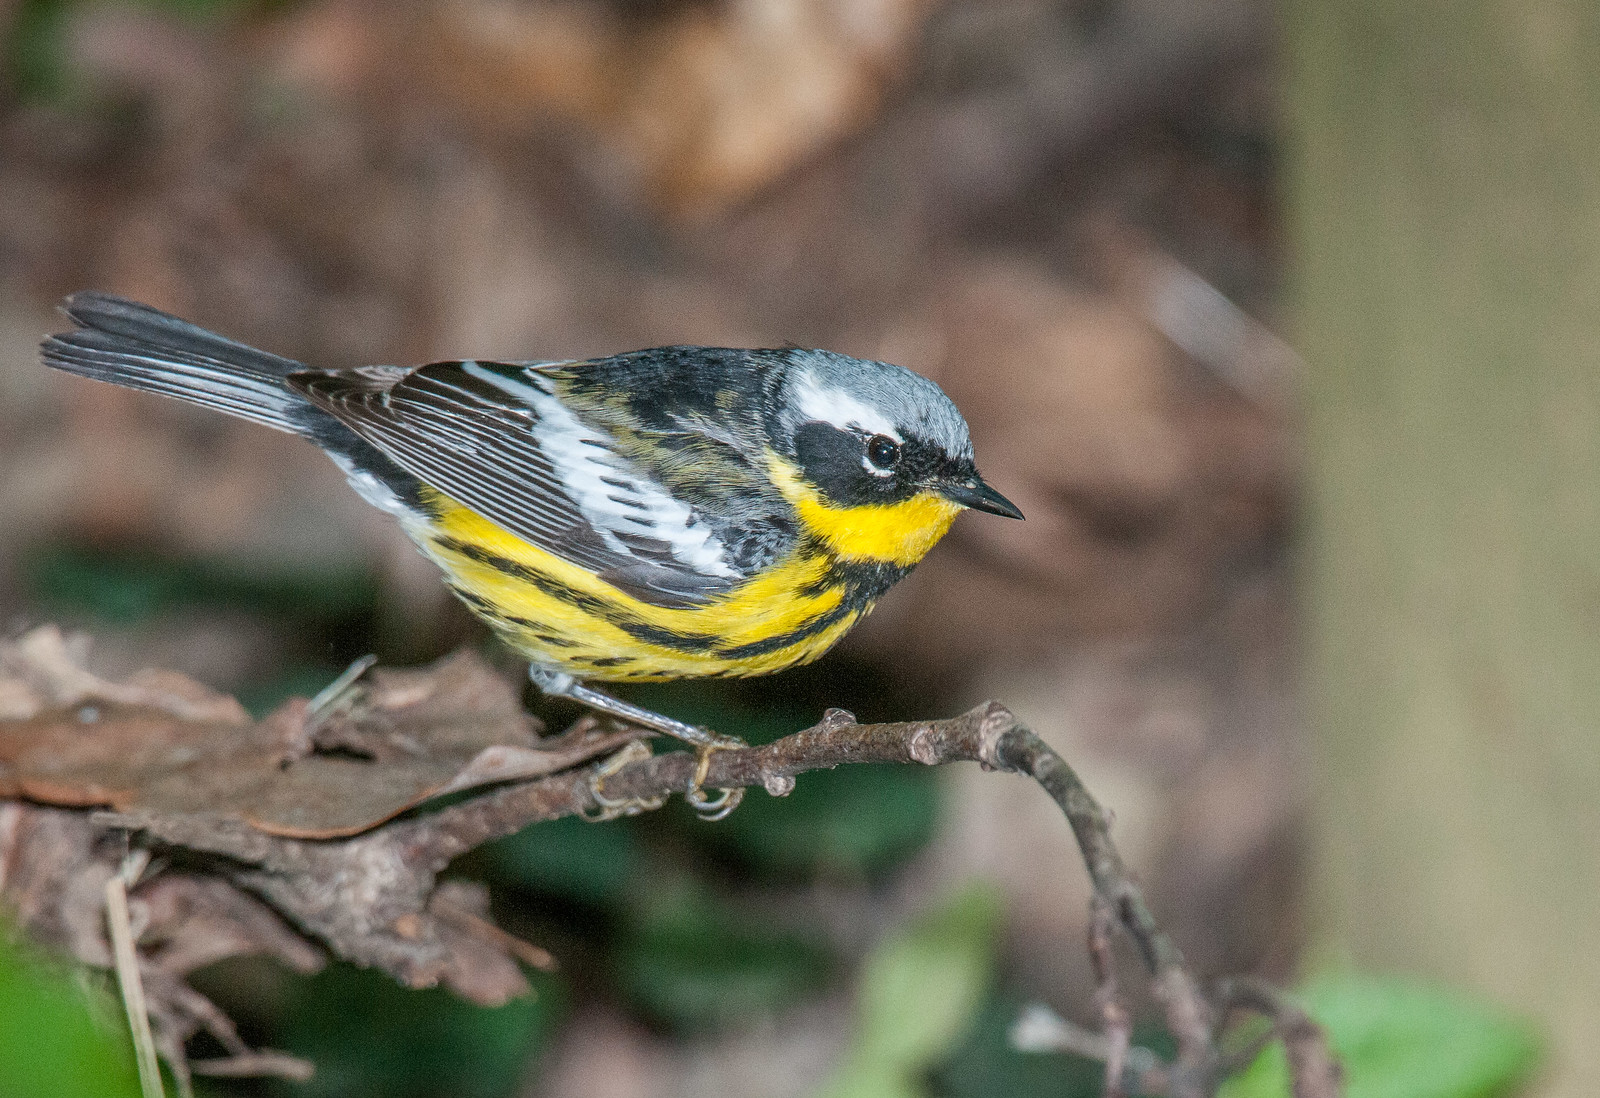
889, 533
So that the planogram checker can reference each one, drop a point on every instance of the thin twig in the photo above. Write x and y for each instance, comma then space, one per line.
265, 1063
1234, 1060
1313, 1071
479, 927
1040, 1029
1114, 1016
128, 978
337, 692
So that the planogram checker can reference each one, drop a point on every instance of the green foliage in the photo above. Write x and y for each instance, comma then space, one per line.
853, 822
986, 1065
297, 680
691, 965
1398, 1040
50, 1044
123, 587
325, 610
918, 993
570, 859
368, 1036
35, 49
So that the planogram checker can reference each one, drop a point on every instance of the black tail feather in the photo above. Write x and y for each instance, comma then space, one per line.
139, 347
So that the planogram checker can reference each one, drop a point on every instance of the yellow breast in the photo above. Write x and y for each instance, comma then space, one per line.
563, 616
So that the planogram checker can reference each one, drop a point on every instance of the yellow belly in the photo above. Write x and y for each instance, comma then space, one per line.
564, 617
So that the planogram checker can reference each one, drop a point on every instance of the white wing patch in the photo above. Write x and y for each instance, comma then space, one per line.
611, 494
827, 404
370, 488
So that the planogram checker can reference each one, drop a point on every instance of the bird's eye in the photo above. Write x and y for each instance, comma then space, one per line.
883, 451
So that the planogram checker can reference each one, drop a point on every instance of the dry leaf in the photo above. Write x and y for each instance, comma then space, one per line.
160, 743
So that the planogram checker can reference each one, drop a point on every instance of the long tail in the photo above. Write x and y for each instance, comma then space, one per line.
129, 344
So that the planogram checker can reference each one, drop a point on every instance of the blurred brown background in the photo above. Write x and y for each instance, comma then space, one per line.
1068, 212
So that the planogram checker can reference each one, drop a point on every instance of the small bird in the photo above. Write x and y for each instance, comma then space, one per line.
669, 513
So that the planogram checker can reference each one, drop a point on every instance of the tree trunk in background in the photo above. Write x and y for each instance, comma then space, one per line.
1445, 202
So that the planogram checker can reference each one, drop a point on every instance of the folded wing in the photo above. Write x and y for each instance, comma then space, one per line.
495, 438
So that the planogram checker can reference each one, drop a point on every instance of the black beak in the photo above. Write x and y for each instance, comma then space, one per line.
980, 497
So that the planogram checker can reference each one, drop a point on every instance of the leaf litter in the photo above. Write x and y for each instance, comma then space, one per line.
301, 805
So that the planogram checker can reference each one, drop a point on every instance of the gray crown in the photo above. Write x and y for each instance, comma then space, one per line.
867, 395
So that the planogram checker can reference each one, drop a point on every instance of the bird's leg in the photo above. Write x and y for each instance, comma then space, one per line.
559, 684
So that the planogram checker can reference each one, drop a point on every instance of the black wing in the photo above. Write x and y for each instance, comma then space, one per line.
496, 438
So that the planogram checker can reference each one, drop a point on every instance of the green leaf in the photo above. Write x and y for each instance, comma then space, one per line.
368, 1035
874, 1081
1401, 1040
918, 994
50, 1044
693, 966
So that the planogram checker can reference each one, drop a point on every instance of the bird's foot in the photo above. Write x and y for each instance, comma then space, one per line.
712, 809
703, 740
611, 808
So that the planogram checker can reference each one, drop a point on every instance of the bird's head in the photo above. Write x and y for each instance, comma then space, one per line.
877, 458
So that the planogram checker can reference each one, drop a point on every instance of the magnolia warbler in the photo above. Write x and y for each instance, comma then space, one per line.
668, 513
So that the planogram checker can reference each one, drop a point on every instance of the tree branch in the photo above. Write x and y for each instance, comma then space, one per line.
988, 735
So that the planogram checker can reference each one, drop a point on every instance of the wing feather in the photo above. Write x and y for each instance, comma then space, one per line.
496, 438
